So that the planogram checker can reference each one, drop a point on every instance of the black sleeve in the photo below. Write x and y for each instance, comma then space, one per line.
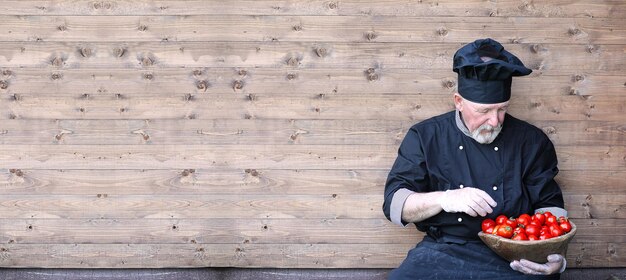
539, 180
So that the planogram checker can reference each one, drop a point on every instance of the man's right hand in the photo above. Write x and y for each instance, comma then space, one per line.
472, 201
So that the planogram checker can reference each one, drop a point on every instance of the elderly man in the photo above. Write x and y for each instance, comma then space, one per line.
456, 169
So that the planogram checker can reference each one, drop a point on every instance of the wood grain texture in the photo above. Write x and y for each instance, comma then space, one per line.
149, 56
255, 157
70, 83
252, 255
187, 133
473, 8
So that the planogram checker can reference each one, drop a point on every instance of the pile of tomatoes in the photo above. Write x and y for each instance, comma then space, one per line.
539, 226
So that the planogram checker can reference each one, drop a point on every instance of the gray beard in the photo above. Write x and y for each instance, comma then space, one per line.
486, 139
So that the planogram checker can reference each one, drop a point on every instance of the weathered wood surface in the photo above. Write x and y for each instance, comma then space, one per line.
260, 133
181, 28
252, 255
71, 83
255, 157
246, 181
474, 8
360, 57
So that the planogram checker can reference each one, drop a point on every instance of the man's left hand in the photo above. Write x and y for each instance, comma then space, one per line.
555, 264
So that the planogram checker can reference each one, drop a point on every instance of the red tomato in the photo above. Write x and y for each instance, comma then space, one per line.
562, 220
501, 219
551, 220
520, 236
536, 223
511, 222
494, 231
524, 219
545, 236
539, 218
555, 230
565, 226
533, 237
547, 214
488, 230
488, 223
533, 230
505, 231
518, 230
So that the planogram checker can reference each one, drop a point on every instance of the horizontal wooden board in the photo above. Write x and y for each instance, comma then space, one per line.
255, 157
205, 231
246, 181
245, 231
299, 106
265, 81
235, 28
506, 8
266, 131
331, 206
192, 182
291, 56
608, 254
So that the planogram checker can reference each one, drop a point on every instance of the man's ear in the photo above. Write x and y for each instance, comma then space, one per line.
458, 102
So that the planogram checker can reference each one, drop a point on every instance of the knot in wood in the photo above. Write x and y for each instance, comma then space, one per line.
549, 130
119, 51
202, 84
237, 85
573, 31
370, 35
142, 27
148, 76
442, 31
252, 172
242, 72
291, 76
321, 52
592, 48
17, 172
293, 61
7, 72
447, 83
85, 52
197, 72
297, 27
147, 61
578, 78
56, 76
332, 5
536, 48
62, 27
57, 61
372, 77
4, 84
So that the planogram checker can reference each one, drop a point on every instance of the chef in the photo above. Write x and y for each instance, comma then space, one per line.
476, 162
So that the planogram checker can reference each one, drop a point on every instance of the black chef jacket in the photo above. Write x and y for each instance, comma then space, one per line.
517, 170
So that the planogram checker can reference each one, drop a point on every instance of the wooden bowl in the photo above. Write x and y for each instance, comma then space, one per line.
536, 250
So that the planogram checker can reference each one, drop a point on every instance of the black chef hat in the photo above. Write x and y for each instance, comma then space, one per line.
485, 70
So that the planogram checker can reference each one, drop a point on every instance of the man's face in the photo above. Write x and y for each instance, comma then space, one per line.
484, 121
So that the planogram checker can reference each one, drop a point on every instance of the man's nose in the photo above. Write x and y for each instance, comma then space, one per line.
493, 119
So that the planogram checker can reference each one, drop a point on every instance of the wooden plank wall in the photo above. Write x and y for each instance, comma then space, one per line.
260, 133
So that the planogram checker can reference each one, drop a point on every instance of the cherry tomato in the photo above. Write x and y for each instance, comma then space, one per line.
524, 219
494, 231
533, 237
520, 236
532, 230
565, 226
487, 223
501, 219
547, 214
562, 220
539, 218
488, 230
519, 230
551, 220
505, 231
555, 230
511, 222
545, 236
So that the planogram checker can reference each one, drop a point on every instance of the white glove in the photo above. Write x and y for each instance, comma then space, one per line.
471, 201
556, 264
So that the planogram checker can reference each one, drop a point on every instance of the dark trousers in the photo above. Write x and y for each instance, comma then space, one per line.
438, 259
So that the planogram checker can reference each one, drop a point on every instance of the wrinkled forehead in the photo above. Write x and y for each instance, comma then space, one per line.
486, 106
